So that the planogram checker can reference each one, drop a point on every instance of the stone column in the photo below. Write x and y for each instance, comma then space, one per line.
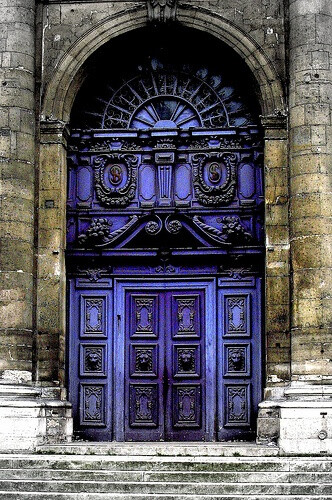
17, 163
304, 423
277, 306
29, 413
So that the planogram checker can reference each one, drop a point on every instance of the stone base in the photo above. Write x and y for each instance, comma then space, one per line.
28, 418
300, 423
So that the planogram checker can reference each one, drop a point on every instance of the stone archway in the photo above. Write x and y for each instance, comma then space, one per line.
57, 103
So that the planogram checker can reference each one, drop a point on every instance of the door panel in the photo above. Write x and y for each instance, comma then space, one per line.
144, 364
164, 370
90, 363
185, 347
239, 356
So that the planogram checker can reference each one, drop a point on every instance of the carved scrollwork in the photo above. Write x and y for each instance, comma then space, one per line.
99, 234
115, 178
153, 227
214, 177
173, 226
231, 233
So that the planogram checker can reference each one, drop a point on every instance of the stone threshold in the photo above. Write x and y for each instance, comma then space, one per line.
174, 449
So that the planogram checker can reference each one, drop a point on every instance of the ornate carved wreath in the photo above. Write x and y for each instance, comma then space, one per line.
117, 193
221, 193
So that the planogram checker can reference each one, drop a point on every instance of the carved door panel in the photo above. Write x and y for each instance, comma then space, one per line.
165, 395
90, 359
239, 356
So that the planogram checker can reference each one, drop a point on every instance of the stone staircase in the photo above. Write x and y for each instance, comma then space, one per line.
165, 472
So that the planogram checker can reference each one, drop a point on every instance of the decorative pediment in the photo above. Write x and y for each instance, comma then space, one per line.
167, 230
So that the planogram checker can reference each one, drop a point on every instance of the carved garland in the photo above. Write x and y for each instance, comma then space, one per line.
113, 196
214, 195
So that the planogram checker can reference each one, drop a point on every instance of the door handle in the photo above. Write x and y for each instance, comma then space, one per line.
165, 383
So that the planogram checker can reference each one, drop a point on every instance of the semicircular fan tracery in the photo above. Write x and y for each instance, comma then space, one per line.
162, 98
171, 100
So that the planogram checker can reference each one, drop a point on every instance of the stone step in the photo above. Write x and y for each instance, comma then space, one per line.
163, 449
156, 463
174, 488
169, 476
119, 496
88, 477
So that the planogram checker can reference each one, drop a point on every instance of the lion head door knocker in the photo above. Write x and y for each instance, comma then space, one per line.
214, 177
186, 360
236, 359
93, 360
115, 179
143, 361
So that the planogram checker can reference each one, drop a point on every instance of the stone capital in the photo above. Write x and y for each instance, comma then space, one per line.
275, 126
54, 132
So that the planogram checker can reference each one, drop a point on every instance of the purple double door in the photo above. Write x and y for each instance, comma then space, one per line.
165, 360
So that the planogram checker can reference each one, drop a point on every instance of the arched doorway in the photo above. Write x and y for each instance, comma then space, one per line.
165, 243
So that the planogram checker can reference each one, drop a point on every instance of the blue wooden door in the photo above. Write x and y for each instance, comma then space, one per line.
154, 360
165, 371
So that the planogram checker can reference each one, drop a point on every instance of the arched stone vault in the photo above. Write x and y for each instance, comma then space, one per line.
61, 90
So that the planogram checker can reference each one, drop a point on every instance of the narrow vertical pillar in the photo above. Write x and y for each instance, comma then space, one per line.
277, 305
306, 413
17, 164
51, 283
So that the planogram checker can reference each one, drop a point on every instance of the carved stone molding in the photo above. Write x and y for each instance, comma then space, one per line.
54, 132
162, 11
275, 126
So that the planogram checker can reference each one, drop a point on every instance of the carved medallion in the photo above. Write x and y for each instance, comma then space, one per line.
214, 177
115, 179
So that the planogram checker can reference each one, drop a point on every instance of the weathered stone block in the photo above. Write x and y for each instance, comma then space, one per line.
318, 135
311, 252
278, 290
311, 204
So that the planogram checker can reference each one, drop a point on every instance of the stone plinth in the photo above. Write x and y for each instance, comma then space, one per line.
28, 419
